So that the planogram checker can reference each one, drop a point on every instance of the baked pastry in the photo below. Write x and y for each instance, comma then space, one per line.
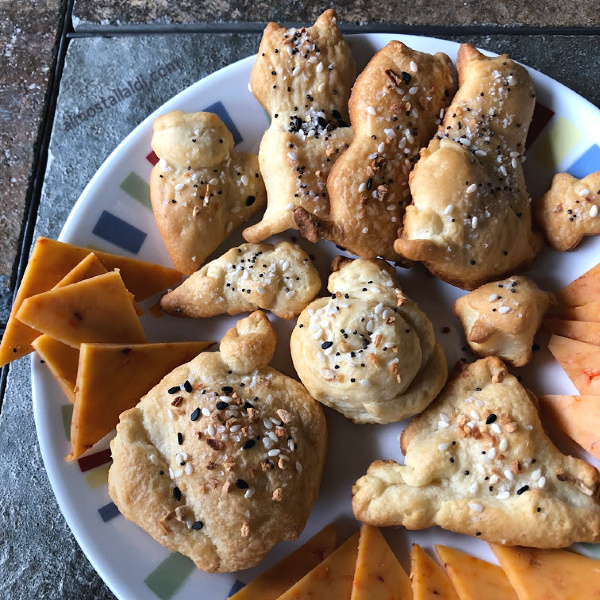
501, 318
477, 461
224, 457
568, 211
302, 78
201, 190
367, 351
395, 107
470, 220
278, 278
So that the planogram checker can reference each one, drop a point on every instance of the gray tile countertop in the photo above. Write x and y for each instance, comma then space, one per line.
39, 557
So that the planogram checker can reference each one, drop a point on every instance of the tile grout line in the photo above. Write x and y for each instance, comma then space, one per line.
40, 159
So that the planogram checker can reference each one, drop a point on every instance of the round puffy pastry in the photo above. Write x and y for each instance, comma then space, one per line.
368, 351
224, 457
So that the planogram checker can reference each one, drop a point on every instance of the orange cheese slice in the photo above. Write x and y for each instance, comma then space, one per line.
378, 574
575, 330
580, 361
279, 578
475, 579
94, 310
330, 579
89, 267
50, 261
62, 360
583, 290
112, 378
578, 417
549, 574
586, 312
429, 582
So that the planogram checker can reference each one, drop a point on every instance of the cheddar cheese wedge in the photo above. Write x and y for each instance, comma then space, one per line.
473, 578
586, 312
583, 290
549, 574
279, 578
112, 378
429, 582
330, 579
378, 574
575, 330
580, 361
62, 360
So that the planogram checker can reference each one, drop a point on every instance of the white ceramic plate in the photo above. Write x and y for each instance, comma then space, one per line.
132, 564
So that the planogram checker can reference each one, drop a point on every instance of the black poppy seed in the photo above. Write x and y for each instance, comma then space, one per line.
466, 472
535, 347
451, 460
250, 200
326, 345
227, 389
187, 386
454, 443
539, 509
194, 416
300, 326
174, 390
221, 405
478, 533
249, 444
352, 380
477, 389
177, 493
241, 484
198, 525
490, 419
522, 490
161, 472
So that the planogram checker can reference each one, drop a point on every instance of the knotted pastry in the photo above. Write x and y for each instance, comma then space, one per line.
368, 351
569, 210
278, 278
501, 318
477, 461
224, 457
394, 111
470, 220
201, 190
302, 78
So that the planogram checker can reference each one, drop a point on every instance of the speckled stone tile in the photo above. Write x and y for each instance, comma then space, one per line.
124, 14
27, 38
39, 557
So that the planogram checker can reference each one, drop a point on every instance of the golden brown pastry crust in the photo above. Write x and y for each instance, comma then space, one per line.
394, 111
470, 220
501, 318
478, 462
279, 278
368, 351
302, 77
224, 457
201, 190
568, 211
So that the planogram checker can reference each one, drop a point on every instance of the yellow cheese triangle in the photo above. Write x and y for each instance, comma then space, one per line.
587, 312
429, 582
578, 417
89, 267
583, 290
475, 579
575, 330
50, 261
112, 378
330, 579
62, 360
378, 574
279, 578
94, 310
549, 574
580, 361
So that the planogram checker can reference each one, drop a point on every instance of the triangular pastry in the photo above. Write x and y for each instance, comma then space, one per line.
278, 278
302, 78
470, 220
477, 461
395, 108
201, 190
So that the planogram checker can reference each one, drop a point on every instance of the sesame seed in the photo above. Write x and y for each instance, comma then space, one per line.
194, 416
449, 209
211, 429
493, 297
179, 186
503, 310
365, 383
413, 90
153, 459
213, 181
189, 469
444, 417
503, 445
476, 507
267, 442
371, 110
249, 493
289, 206
474, 487
494, 479
174, 390
584, 192
442, 425
443, 447
274, 452
541, 482
522, 490
503, 496
298, 466
235, 428
474, 223
292, 156
594, 211
495, 428
508, 474
472, 188
206, 412
413, 66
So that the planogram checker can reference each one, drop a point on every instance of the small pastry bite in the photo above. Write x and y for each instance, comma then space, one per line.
302, 78
501, 318
278, 278
201, 190
568, 211
367, 351
223, 458
470, 220
478, 462
394, 111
